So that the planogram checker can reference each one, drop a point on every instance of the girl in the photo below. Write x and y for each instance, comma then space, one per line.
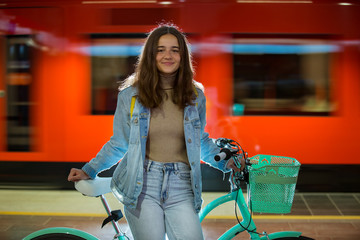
159, 135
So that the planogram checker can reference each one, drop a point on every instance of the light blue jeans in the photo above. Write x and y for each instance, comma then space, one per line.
165, 205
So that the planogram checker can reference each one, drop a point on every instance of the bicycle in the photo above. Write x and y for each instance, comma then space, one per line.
97, 187
261, 169
262, 173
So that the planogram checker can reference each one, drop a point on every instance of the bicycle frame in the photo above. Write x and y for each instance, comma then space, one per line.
229, 234
102, 186
92, 188
247, 219
75, 232
247, 224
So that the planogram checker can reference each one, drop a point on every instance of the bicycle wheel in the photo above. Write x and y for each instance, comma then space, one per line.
58, 236
60, 233
294, 238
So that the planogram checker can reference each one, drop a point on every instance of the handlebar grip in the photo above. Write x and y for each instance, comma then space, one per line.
220, 156
224, 154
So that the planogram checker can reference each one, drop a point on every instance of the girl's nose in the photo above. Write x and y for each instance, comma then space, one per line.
167, 54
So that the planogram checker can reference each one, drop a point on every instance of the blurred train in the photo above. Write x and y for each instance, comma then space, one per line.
282, 77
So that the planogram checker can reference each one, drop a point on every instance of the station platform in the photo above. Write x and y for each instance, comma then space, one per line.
321, 216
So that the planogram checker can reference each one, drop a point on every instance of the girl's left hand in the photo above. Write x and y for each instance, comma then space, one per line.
231, 164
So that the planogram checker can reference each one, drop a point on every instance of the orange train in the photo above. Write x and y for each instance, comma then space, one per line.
281, 77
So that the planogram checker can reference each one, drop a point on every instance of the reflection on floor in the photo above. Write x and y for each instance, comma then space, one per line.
331, 216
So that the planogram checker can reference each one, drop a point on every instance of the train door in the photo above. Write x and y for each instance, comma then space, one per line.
16, 96
2, 95
26, 37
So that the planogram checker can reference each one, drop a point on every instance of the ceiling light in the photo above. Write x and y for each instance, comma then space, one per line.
344, 4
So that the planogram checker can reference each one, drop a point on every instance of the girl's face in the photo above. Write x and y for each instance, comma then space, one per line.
168, 54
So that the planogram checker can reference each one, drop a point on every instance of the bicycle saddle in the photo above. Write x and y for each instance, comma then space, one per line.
94, 187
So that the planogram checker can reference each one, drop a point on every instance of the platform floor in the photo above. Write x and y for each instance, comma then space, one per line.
321, 216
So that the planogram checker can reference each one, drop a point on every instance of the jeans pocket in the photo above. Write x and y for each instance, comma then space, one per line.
183, 175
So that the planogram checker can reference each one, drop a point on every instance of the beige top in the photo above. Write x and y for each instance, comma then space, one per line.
166, 140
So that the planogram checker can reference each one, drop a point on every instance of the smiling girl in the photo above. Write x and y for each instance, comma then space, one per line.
159, 135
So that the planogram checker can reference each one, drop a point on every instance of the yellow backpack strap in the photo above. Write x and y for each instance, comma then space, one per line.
132, 105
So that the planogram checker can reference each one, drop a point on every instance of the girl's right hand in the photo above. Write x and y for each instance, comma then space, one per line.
77, 175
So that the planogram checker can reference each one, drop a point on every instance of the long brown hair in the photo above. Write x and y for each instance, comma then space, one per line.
146, 76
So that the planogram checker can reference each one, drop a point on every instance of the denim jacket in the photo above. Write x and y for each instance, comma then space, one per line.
128, 143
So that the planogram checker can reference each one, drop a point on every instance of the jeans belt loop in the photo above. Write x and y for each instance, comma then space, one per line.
149, 162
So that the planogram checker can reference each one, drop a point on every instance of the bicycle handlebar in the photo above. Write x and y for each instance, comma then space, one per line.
232, 149
229, 148
225, 154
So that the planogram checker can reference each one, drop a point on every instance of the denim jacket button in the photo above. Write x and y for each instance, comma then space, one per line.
135, 120
196, 186
189, 140
186, 119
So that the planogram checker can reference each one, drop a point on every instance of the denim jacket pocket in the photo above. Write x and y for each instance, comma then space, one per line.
134, 130
196, 124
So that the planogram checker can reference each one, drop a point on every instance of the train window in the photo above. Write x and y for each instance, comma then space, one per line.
277, 76
113, 58
18, 85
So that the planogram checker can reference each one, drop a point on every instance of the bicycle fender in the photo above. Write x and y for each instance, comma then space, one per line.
281, 235
70, 231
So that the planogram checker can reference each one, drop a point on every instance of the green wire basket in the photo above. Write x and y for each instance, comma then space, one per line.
272, 182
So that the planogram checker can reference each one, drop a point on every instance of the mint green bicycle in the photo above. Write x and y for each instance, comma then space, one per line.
97, 187
270, 180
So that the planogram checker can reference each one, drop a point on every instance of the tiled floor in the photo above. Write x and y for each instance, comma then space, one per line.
343, 204
331, 216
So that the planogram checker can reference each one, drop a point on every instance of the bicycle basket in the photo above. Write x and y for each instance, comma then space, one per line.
272, 182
